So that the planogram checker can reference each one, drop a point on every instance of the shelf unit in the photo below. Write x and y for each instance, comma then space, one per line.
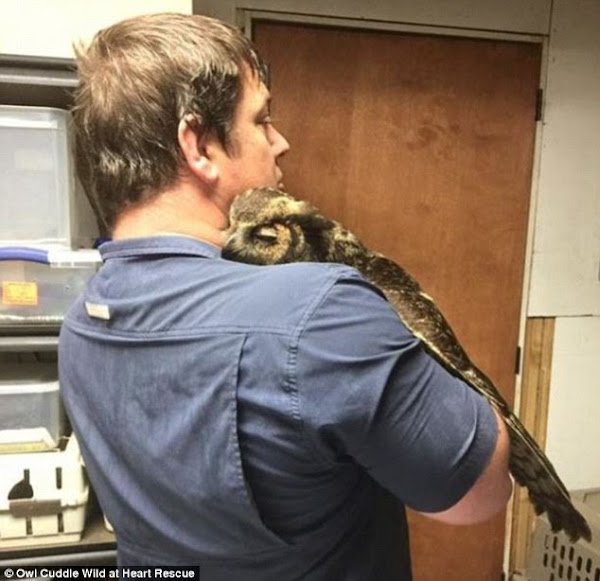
47, 82
37, 81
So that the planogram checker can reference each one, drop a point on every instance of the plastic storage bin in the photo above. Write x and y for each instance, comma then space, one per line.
553, 557
37, 294
42, 202
31, 414
43, 497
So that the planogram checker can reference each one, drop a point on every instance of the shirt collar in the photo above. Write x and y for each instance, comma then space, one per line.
155, 245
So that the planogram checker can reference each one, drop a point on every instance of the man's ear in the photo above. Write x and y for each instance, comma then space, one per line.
193, 147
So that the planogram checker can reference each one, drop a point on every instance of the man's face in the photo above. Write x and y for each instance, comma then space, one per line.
255, 145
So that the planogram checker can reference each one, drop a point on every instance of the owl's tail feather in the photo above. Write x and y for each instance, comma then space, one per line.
531, 469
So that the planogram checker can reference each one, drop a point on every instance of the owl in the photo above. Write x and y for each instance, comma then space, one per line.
268, 226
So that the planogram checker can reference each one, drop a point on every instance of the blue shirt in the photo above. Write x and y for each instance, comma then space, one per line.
248, 419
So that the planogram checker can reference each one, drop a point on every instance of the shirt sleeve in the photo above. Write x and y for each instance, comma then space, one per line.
368, 393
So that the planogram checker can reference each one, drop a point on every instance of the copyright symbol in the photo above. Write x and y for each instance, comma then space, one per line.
8, 573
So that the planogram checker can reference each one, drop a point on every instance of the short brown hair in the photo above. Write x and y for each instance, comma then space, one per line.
137, 80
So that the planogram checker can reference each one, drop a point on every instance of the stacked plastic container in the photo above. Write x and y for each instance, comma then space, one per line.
47, 233
43, 211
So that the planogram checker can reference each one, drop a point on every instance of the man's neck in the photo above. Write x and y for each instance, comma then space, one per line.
179, 211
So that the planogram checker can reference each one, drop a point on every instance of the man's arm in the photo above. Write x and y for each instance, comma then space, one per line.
491, 491
368, 390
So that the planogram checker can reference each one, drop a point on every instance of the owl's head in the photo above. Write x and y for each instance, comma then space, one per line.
268, 226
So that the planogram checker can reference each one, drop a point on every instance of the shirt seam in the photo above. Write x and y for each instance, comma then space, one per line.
291, 372
174, 333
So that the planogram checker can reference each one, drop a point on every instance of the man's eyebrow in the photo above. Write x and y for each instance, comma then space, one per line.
266, 105
264, 72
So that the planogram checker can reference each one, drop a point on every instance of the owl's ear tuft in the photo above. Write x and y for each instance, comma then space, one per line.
314, 222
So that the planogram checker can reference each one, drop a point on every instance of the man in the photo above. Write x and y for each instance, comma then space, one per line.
243, 419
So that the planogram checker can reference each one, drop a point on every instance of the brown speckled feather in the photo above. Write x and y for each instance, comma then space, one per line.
268, 226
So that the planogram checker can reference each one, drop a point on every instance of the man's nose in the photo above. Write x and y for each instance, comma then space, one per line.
280, 143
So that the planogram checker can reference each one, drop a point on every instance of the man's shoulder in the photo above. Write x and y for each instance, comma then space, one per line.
307, 274
288, 293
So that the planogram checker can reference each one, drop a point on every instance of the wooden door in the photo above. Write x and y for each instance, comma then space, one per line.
423, 146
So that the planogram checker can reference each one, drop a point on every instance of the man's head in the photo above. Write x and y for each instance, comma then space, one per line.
141, 80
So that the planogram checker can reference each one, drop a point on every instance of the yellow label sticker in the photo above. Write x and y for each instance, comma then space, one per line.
21, 294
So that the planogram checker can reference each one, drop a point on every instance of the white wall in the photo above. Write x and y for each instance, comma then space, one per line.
49, 27
573, 424
565, 278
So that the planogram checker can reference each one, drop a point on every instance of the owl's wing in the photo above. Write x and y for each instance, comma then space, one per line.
421, 315
528, 464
